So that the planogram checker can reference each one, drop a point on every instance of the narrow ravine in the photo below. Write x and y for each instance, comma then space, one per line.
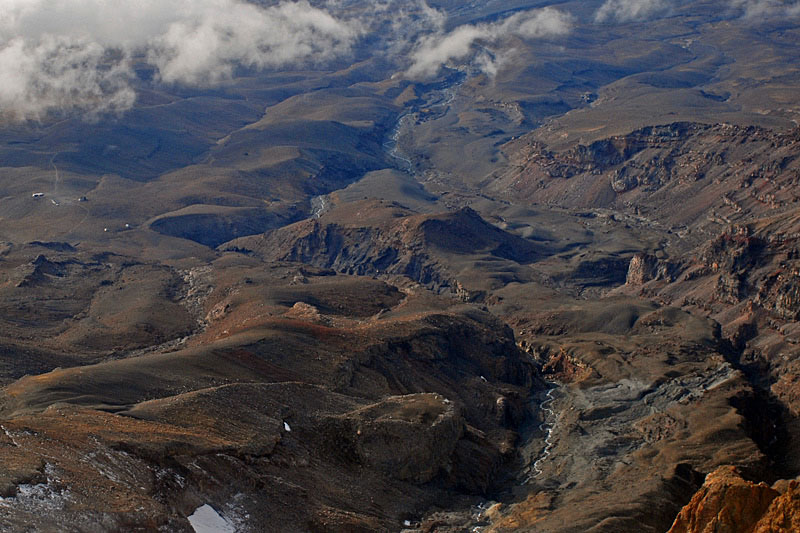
533, 454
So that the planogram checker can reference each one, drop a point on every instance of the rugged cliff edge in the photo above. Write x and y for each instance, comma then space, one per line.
726, 502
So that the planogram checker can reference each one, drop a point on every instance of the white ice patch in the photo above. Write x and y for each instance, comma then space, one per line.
206, 520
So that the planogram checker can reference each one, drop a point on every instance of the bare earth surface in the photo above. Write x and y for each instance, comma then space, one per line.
562, 296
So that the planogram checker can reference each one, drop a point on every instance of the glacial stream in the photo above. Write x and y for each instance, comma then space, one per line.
547, 426
534, 455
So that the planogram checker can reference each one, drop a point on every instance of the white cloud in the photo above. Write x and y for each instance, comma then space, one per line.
400, 23
435, 50
208, 46
545, 22
75, 54
61, 74
629, 10
755, 10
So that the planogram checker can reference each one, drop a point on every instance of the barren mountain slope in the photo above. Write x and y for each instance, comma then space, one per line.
475, 266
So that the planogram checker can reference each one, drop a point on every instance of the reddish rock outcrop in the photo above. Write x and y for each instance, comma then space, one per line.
646, 267
783, 515
725, 503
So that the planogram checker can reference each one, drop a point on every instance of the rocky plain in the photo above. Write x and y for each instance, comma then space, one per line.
401, 266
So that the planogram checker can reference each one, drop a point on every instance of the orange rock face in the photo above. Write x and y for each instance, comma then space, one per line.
783, 515
726, 503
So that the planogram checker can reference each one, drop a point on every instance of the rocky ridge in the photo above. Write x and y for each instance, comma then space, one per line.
726, 502
377, 238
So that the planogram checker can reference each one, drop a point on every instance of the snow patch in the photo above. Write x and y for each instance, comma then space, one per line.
206, 520
39, 498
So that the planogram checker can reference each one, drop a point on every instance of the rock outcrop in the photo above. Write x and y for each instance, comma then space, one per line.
783, 515
647, 267
409, 437
372, 238
727, 503
684, 173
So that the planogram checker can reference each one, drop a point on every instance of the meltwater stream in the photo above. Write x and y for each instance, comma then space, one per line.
547, 425
537, 456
